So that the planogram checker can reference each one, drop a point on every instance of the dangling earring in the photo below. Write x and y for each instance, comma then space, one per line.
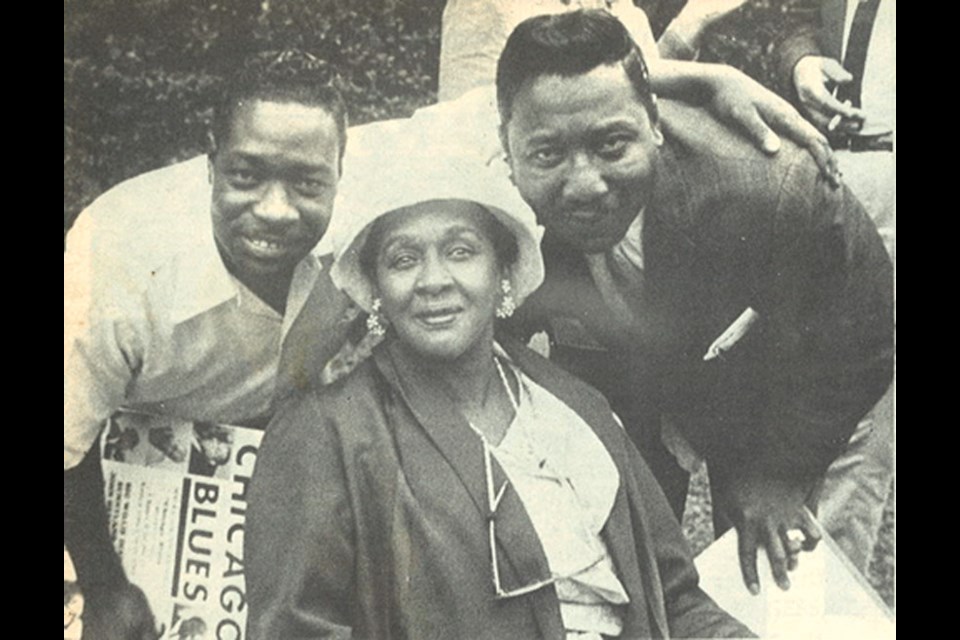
374, 325
507, 304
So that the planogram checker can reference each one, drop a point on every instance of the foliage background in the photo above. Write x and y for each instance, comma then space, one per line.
140, 77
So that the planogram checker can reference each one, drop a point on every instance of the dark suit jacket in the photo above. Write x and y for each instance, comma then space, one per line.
728, 228
814, 28
368, 515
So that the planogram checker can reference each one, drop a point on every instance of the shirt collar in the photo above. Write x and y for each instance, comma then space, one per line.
201, 280
304, 277
630, 247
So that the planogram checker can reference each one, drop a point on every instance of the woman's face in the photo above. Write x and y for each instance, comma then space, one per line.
438, 277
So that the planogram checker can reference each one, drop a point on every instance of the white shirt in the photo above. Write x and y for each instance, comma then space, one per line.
474, 33
152, 319
568, 483
878, 94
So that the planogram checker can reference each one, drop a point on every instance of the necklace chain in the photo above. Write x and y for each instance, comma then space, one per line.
513, 400
506, 384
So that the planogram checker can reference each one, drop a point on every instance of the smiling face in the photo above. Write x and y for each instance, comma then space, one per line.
437, 273
274, 181
583, 153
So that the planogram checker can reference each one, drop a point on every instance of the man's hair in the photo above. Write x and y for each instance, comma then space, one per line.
291, 76
569, 44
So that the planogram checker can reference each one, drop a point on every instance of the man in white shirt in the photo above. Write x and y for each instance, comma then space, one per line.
181, 286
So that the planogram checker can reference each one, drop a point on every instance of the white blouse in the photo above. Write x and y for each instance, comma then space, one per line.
567, 482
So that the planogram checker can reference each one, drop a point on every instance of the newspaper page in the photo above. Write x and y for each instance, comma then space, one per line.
828, 598
176, 495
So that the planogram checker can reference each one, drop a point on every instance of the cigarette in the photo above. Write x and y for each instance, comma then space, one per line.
732, 334
837, 119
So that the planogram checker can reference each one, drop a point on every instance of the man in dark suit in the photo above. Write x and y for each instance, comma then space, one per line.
838, 63
732, 305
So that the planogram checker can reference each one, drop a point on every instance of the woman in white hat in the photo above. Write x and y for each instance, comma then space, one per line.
456, 484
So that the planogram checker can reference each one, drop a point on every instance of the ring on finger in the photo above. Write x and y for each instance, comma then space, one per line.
795, 536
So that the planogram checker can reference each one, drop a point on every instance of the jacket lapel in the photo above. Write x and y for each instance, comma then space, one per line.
669, 254
318, 332
521, 559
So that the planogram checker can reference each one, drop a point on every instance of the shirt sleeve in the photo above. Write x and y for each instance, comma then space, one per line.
473, 32
799, 39
102, 345
99, 363
673, 46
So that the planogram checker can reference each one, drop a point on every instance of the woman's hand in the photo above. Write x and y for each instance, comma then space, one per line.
742, 102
